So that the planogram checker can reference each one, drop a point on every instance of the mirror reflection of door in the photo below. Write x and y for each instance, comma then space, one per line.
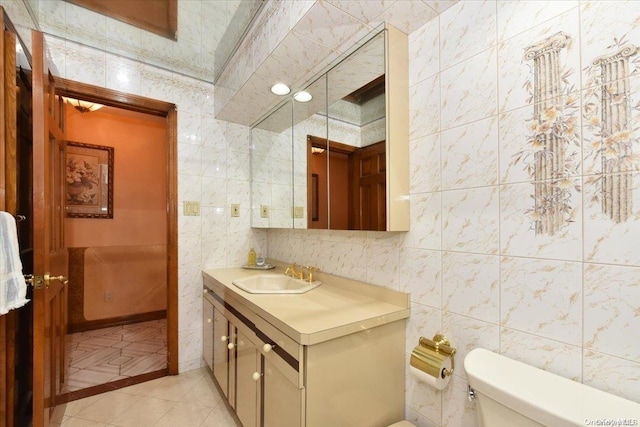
346, 185
367, 188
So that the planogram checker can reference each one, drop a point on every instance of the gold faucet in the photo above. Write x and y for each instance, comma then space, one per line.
293, 272
310, 270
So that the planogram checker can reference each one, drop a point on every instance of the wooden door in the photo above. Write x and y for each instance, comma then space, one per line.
50, 255
7, 203
368, 189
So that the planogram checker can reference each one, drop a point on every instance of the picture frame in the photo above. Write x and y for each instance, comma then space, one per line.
88, 189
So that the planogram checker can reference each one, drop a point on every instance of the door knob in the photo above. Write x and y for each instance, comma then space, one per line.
40, 282
62, 279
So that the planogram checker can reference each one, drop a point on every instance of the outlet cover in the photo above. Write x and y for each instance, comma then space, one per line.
235, 209
264, 211
298, 212
191, 209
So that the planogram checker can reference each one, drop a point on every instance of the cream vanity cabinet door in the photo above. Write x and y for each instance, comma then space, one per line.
246, 380
282, 399
221, 340
207, 331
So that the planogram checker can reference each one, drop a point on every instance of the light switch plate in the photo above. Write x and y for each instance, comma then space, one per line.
264, 211
191, 209
235, 209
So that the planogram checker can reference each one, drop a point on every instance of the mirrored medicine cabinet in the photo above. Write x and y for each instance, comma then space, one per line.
341, 160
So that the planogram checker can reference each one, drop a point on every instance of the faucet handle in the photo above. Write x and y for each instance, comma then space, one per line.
291, 270
310, 270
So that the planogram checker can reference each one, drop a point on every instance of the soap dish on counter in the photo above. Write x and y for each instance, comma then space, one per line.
258, 267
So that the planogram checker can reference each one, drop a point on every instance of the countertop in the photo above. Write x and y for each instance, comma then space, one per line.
336, 308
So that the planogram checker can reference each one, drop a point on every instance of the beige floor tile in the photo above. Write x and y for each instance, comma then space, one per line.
108, 407
144, 413
79, 422
195, 401
204, 393
174, 387
184, 415
74, 407
220, 417
142, 389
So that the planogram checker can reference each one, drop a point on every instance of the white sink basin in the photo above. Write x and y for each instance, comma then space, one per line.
275, 284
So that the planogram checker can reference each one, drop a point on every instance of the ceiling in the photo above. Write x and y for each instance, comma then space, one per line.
293, 41
301, 49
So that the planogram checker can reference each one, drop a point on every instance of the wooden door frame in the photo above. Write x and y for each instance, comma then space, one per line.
154, 107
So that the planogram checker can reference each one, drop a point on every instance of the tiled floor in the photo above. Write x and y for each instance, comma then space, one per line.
190, 399
104, 355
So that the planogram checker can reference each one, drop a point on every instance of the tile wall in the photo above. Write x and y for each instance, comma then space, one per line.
565, 299
478, 262
213, 166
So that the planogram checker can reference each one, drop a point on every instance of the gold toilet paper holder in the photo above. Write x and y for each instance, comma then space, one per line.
430, 356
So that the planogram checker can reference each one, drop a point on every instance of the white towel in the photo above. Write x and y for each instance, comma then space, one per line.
13, 289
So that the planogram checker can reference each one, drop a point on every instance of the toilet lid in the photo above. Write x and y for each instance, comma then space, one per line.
402, 424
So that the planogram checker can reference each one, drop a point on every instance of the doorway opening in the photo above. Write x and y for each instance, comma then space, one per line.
122, 311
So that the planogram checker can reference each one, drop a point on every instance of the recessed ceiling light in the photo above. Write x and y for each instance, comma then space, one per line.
280, 89
302, 96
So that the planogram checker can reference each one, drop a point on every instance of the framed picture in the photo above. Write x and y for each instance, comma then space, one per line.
89, 181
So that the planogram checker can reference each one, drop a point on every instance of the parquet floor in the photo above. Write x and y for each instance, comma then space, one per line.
104, 355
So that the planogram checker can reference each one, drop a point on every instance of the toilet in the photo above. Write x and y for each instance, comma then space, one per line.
402, 424
510, 393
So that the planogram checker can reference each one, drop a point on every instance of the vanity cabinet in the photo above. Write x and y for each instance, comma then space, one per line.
282, 399
252, 381
247, 375
274, 377
207, 332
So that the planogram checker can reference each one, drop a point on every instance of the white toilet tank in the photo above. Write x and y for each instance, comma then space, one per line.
510, 393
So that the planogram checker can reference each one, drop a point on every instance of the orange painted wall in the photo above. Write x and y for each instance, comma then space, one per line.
139, 204
139, 179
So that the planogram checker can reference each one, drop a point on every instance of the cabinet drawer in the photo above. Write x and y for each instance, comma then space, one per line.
286, 365
275, 336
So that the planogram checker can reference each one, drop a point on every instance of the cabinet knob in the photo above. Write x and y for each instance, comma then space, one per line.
230, 346
268, 347
205, 291
208, 320
256, 376
224, 338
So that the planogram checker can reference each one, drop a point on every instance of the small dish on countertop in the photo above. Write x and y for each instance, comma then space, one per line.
258, 267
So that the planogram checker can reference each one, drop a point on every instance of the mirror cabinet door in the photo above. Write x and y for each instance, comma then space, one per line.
357, 140
348, 163
272, 171
310, 179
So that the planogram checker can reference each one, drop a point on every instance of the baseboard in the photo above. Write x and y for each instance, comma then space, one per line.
114, 385
89, 325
